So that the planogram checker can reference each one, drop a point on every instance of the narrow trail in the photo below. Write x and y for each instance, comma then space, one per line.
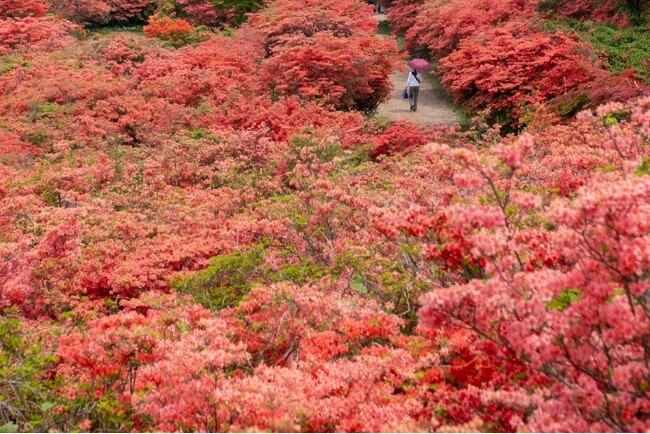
433, 107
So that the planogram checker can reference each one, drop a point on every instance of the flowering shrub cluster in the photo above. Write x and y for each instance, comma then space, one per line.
325, 54
23, 34
210, 13
177, 32
22, 9
606, 11
501, 55
215, 238
559, 298
100, 11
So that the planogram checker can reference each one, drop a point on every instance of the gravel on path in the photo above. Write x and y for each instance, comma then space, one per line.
433, 108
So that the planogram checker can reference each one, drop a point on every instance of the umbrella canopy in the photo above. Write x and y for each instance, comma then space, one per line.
419, 64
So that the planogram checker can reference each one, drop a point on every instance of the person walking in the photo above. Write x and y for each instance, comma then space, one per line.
413, 87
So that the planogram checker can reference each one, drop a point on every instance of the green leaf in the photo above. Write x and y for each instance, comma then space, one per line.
9, 427
644, 168
358, 286
47, 406
564, 299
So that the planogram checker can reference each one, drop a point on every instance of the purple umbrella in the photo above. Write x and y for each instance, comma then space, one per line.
419, 64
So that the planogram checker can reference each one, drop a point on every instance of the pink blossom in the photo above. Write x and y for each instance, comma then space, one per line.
468, 180
526, 201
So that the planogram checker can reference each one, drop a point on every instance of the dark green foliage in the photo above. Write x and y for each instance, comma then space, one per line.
569, 104
621, 49
239, 8
546, 6
625, 48
227, 279
25, 387
241, 5
37, 138
231, 276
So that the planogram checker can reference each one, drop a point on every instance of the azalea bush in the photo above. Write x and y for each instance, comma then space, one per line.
465, 37
402, 14
603, 11
510, 68
176, 32
22, 34
100, 12
557, 317
325, 53
22, 8
442, 25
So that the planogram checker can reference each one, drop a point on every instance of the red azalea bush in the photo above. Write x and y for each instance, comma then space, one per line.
602, 11
513, 67
205, 12
94, 11
22, 9
24, 34
402, 14
100, 12
345, 73
175, 31
127, 10
279, 332
536, 295
326, 53
442, 25
399, 137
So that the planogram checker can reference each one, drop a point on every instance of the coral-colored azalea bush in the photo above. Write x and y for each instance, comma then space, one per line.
22, 8
175, 31
514, 67
99, 12
22, 34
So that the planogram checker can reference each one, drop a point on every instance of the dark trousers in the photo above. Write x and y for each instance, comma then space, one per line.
414, 91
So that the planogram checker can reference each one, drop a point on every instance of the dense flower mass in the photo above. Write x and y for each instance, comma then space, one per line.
22, 9
507, 57
208, 230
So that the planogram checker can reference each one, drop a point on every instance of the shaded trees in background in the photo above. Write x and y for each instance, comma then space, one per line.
213, 13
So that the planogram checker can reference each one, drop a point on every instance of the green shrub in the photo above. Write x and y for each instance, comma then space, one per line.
228, 278
626, 48
26, 392
622, 49
231, 276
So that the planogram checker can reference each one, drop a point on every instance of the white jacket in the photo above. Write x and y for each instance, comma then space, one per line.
411, 80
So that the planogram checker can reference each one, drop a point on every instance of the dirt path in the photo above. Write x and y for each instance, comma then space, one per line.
433, 105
